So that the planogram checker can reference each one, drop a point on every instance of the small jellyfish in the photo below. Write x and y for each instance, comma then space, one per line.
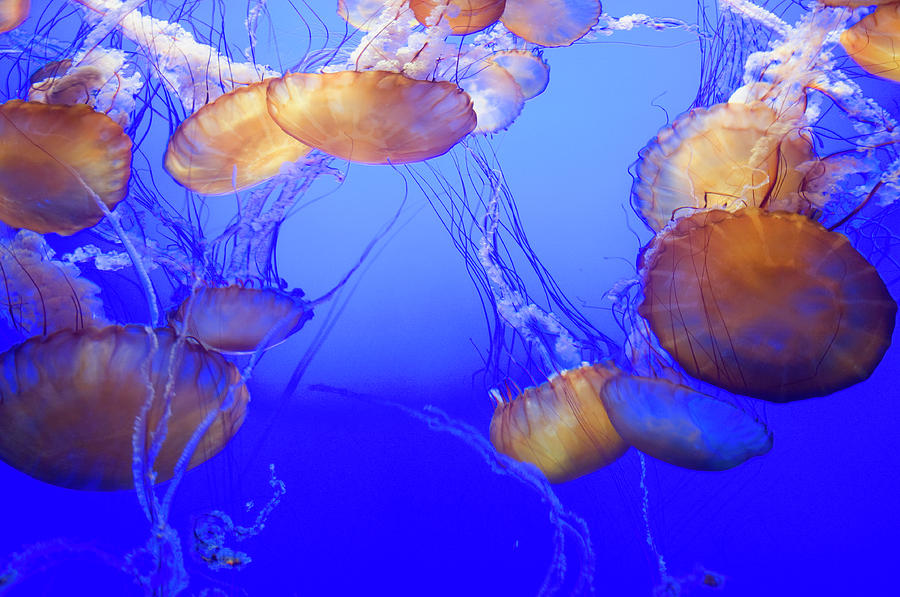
728, 156
13, 13
530, 71
68, 403
874, 42
551, 23
496, 97
362, 14
238, 320
230, 144
373, 117
40, 294
472, 17
678, 425
560, 426
855, 3
769, 305
55, 160
60, 85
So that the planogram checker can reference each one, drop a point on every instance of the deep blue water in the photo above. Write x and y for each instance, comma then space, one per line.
379, 502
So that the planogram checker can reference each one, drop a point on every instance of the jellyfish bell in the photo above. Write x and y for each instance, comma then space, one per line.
464, 16
363, 14
529, 71
239, 320
675, 424
372, 117
230, 144
874, 42
728, 156
551, 23
496, 97
13, 13
69, 401
769, 305
55, 161
855, 3
560, 426
68, 86
40, 294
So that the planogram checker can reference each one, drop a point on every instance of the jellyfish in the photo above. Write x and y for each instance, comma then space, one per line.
728, 156
13, 13
472, 17
58, 83
68, 402
373, 117
873, 41
769, 305
551, 23
41, 295
230, 144
240, 320
560, 426
675, 424
855, 3
530, 71
56, 160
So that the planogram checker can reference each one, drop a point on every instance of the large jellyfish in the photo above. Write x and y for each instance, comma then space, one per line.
55, 160
873, 41
68, 402
374, 117
767, 304
230, 144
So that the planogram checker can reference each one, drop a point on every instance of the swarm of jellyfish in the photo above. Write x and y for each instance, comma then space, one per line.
762, 278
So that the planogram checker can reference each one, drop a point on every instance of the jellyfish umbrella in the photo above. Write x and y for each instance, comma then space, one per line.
472, 17
874, 42
230, 144
552, 23
42, 295
13, 13
55, 160
678, 425
239, 320
373, 117
770, 305
57, 84
68, 403
855, 3
560, 426
728, 156
496, 97
529, 71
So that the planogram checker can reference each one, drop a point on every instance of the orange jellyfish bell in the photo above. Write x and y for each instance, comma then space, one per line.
54, 161
13, 13
678, 425
473, 15
551, 23
373, 117
874, 42
770, 305
63, 85
239, 320
728, 156
230, 144
68, 403
560, 426
855, 3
